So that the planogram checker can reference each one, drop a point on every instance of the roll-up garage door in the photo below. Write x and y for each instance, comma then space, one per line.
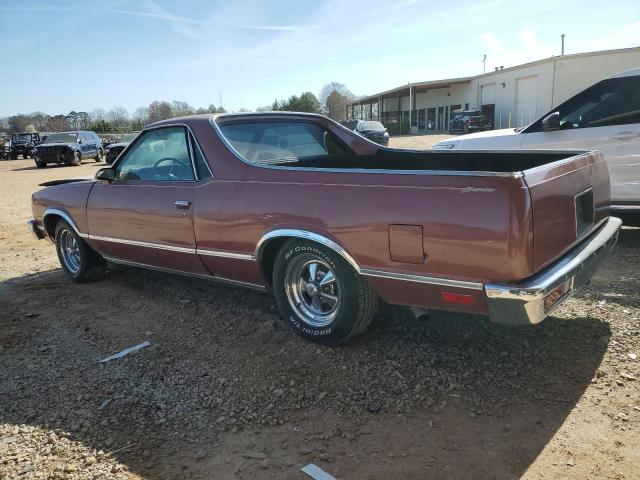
526, 100
488, 94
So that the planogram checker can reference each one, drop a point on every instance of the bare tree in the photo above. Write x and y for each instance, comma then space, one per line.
141, 115
118, 117
181, 109
98, 114
158, 111
334, 97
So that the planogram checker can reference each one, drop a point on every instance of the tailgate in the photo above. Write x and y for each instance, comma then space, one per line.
569, 198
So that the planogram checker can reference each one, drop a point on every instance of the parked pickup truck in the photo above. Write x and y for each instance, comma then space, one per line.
330, 222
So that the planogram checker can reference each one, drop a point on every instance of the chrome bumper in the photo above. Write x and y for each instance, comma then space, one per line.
524, 303
36, 229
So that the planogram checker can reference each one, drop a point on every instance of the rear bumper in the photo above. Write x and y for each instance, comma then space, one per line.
524, 303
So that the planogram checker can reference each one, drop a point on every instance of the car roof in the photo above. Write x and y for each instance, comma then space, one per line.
627, 73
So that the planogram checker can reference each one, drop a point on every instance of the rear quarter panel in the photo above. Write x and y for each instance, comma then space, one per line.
553, 188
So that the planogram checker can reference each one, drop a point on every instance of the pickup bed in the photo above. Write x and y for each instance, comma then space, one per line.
329, 221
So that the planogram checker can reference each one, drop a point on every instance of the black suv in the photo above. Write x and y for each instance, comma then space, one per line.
22, 144
69, 148
465, 121
371, 129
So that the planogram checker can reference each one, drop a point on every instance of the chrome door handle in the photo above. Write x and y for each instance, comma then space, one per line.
182, 203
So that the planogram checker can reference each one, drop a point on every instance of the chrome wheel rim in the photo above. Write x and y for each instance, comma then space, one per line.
69, 251
313, 290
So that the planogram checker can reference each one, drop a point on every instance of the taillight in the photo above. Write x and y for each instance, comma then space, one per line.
458, 298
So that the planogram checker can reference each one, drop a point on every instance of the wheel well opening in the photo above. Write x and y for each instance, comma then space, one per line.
268, 257
50, 222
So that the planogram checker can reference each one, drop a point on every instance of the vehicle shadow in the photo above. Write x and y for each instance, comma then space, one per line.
459, 396
51, 165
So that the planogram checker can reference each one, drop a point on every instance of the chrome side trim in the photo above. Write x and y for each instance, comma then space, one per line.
220, 253
457, 173
308, 236
227, 281
143, 244
444, 282
622, 207
64, 216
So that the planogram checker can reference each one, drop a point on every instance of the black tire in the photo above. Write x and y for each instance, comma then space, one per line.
77, 159
25, 156
41, 164
356, 305
99, 155
14, 156
91, 266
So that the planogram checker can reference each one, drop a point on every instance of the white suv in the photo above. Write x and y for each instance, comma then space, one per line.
605, 117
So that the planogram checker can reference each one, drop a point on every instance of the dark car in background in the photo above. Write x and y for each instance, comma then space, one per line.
467, 121
114, 149
371, 129
69, 148
22, 144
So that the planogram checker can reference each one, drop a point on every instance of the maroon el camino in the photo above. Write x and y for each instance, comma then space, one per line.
330, 222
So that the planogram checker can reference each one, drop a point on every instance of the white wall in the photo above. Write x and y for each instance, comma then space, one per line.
559, 78
575, 74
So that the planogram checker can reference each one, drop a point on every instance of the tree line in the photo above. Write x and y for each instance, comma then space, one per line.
331, 101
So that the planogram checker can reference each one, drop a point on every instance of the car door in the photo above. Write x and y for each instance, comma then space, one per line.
604, 117
145, 215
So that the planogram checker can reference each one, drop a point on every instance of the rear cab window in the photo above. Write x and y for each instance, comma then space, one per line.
282, 143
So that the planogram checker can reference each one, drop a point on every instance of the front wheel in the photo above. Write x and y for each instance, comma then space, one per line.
40, 164
79, 261
99, 155
320, 295
77, 159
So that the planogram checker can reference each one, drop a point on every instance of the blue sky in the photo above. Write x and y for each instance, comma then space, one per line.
59, 56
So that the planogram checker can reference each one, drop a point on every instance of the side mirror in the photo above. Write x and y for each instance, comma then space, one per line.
551, 122
107, 174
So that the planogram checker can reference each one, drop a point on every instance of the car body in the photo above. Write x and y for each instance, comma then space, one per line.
329, 221
604, 117
467, 121
114, 149
371, 129
69, 148
22, 144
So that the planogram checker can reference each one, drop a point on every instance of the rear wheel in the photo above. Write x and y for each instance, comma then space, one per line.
320, 295
78, 260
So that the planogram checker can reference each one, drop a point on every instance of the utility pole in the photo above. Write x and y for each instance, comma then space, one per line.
484, 63
562, 48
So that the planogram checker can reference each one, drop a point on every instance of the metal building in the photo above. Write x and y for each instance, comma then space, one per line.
513, 96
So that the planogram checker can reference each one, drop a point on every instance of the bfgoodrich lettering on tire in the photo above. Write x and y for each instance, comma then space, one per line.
320, 295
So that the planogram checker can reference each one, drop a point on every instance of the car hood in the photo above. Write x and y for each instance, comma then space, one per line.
55, 145
490, 133
66, 180
117, 145
469, 140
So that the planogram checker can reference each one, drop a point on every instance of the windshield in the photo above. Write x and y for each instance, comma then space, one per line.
370, 125
127, 138
21, 137
62, 138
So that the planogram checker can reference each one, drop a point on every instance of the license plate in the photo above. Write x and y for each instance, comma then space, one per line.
556, 295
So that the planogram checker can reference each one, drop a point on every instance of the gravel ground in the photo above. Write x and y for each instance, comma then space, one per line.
225, 391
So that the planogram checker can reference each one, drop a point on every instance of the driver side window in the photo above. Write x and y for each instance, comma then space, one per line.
159, 155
